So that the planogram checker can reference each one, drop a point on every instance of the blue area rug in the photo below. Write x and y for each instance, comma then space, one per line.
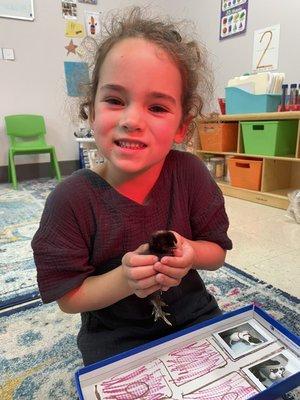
39, 354
20, 212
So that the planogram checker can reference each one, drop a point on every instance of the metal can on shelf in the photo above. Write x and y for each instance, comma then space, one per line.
226, 169
206, 160
217, 167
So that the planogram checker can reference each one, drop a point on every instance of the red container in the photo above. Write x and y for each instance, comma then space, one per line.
222, 105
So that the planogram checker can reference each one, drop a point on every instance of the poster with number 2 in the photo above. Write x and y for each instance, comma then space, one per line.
265, 49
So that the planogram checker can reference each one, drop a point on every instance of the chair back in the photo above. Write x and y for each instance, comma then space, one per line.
26, 130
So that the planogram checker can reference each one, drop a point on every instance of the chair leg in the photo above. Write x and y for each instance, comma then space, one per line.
8, 170
54, 164
13, 174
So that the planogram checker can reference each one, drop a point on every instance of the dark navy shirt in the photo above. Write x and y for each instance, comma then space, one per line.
87, 227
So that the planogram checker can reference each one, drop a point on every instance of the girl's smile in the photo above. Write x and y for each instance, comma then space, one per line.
128, 144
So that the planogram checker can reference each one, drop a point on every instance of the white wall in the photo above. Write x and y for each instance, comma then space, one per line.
233, 57
34, 82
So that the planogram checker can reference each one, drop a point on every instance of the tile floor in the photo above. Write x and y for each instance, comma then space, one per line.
266, 243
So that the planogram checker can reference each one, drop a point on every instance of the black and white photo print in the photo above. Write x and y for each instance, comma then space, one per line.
243, 339
273, 370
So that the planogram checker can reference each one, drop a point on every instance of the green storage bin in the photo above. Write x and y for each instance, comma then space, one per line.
270, 138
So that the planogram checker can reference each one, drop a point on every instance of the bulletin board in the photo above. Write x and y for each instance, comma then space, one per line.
18, 9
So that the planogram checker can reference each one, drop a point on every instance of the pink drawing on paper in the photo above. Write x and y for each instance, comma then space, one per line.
146, 382
193, 361
231, 387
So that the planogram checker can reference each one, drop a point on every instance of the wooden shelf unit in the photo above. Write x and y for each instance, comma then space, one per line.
280, 175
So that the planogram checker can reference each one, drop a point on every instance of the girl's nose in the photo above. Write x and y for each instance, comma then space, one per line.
131, 120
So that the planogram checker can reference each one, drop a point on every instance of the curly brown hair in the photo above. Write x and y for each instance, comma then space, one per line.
189, 56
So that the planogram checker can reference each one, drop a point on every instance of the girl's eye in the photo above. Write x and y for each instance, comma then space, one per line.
114, 101
158, 109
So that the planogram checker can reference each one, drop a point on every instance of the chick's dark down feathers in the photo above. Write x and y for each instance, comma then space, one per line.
161, 243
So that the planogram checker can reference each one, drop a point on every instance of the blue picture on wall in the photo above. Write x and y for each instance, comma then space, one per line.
77, 78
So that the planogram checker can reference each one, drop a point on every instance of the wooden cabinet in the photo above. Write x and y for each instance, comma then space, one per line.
280, 175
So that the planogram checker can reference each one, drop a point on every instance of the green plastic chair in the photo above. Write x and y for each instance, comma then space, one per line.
26, 135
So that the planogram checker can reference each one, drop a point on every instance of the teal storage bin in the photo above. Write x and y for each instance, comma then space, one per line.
270, 138
240, 102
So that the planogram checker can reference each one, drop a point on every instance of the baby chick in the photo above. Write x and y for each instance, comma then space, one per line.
162, 243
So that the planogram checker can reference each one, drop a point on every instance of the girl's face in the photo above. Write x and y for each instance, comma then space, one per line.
137, 107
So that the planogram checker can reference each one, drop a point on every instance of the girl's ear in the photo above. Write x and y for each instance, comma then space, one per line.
182, 130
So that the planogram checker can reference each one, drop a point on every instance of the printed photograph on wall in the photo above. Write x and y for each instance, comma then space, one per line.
233, 19
69, 9
92, 23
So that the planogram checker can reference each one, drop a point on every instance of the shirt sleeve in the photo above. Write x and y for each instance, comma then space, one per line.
61, 244
209, 220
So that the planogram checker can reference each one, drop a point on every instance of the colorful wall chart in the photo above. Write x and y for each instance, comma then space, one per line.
233, 20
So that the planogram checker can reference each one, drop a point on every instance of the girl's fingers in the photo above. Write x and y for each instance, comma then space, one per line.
142, 284
166, 281
146, 292
175, 262
179, 239
178, 252
137, 273
176, 271
142, 249
133, 259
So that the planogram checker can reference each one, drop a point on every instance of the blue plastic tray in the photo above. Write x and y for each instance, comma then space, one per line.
87, 376
239, 101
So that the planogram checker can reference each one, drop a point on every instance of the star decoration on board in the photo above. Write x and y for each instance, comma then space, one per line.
71, 47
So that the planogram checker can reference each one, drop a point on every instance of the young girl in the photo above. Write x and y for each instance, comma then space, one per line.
91, 247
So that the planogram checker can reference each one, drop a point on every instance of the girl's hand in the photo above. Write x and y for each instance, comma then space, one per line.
171, 269
139, 271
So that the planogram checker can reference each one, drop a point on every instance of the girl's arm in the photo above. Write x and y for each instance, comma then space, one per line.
142, 275
188, 255
96, 292
207, 255
136, 275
